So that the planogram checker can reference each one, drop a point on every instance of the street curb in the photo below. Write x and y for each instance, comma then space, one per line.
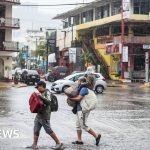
5, 87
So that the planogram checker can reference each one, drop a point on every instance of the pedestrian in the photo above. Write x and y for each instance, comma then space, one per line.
91, 81
42, 119
16, 78
82, 117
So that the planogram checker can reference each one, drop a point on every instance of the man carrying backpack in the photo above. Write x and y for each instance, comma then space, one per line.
83, 108
42, 119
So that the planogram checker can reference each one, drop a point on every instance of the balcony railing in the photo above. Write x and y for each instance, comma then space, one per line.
9, 23
9, 46
133, 39
11, 1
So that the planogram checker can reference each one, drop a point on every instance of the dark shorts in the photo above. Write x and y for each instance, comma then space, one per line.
39, 123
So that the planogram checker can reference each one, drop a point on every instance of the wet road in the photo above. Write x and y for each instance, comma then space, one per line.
122, 117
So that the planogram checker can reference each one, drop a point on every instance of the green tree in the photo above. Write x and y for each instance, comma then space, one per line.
86, 57
41, 52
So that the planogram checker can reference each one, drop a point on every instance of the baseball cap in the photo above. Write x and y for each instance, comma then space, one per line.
41, 83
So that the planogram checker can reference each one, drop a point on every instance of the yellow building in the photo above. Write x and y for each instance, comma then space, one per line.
98, 26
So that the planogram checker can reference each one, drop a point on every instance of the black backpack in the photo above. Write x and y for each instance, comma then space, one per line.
54, 102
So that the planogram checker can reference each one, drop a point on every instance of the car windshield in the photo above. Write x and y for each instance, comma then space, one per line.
32, 72
74, 77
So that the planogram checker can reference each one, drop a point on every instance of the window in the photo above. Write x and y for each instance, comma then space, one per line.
87, 16
116, 30
102, 12
103, 31
65, 23
116, 7
141, 6
141, 31
76, 20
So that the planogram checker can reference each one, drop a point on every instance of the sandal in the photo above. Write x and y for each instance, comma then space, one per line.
78, 142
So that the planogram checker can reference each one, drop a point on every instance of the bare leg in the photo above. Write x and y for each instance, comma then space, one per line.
35, 140
55, 138
79, 135
93, 133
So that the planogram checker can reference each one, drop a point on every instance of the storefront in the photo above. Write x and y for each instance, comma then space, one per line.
114, 50
137, 61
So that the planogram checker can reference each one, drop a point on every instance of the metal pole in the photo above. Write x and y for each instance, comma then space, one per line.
36, 61
122, 37
47, 56
72, 33
147, 67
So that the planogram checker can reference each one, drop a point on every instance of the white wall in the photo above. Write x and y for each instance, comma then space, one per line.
8, 32
8, 35
63, 41
8, 12
7, 63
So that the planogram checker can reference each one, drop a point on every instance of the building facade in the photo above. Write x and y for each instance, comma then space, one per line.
98, 26
7, 46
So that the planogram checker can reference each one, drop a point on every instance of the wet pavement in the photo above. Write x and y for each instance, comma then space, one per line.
122, 117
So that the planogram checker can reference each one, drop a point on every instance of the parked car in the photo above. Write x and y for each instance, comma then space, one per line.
58, 72
60, 85
31, 76
23, 74
76, 72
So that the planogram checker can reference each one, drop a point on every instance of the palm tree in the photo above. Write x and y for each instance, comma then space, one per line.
86, 57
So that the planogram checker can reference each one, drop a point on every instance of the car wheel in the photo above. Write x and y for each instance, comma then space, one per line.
65, 87
99, 89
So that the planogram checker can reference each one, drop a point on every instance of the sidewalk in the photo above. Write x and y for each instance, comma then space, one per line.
5, 84
11, 84
123, 83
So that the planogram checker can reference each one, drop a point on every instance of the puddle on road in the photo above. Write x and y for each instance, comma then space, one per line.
138, 103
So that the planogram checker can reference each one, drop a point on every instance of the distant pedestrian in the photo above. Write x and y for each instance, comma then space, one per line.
90, 81
90, 68
42, 119
16, 78
82, 116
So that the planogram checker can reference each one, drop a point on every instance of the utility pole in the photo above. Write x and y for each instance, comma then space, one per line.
122, 37
47, 50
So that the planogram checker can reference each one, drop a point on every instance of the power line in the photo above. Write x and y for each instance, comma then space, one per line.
39, 5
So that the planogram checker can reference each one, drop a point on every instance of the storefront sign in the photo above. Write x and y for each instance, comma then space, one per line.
72, 55
125, 54
126, 9
126, 14
126, 5
112, 49
146, 47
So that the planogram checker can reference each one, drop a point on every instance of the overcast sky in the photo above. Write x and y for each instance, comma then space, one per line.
36, 17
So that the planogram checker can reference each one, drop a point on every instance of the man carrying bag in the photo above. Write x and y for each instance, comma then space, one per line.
86, 102
42, 118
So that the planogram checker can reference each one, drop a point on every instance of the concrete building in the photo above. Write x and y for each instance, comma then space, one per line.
34, 38
7, 46
98, 26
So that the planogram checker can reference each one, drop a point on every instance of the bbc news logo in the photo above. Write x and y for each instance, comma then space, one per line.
9, 134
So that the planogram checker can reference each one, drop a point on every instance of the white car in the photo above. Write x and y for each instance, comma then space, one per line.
60, 85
